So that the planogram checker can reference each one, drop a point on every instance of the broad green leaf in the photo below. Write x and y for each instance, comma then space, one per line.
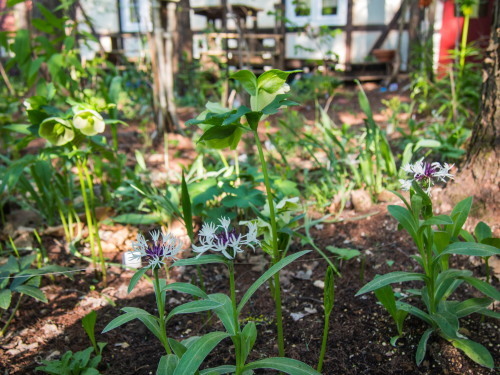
482, 231
187, 288
273, 80
447, 323
88, 323
278, 102
167, 364
344, 254
243, 197
137, 219
151, 322
225, 312
422, 346
438, 220
405, 218
470, 306
178, 348
31, 291
390, 278
248, 337
204, 259
193, 307
483, 287
471, 249
220, 370
196, 354
441, 240
124, 318
135, 279
385, 295
247, 79
266, 275
287, 365
459, 216
5, 298
475, 351
186, 208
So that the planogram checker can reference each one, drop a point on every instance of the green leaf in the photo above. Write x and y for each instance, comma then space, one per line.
459, 216
186, 288
135, 279
422, 346
390, 278
11, 3
151, 322
167, 364
385, 295
415, 311
471, 249
193, 307
287, 365
204, 259
278, 102
248, 337
138, 219
266, 275
220, 370
273, 80
482, 231
247, 79
5, 298
88, 323
438, 220
186, 208
244, 197
178, 348
405, 218
329, 291
345, 254
470, 306
447, 323
225, 312
31, 291
124, 318
196, 354
483, 287
475, 351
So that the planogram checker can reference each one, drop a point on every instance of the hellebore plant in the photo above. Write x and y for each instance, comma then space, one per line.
436, 238
228, 243
161, 248
224, 128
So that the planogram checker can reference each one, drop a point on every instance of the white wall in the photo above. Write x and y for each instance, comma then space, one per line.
103, 14
374, 12
336, 45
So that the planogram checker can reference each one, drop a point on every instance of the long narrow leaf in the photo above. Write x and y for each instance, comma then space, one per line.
193, 307
390, 278
288, 365
204, 259
422, 346
186, 288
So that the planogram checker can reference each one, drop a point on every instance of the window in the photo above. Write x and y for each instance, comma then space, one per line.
135, 15
316, 12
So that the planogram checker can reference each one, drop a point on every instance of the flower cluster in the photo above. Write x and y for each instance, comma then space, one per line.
221, 238
157, 250
425, 174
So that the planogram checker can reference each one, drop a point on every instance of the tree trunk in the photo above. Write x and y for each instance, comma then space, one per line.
479, 175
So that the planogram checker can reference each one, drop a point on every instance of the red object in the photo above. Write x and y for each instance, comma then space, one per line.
451, 30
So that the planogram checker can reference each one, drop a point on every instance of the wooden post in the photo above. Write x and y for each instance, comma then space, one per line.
348, 36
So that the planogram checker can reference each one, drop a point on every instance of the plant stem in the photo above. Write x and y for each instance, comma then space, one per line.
463, 44
276, 253
4, 329
324, 342
161, 312
237, 338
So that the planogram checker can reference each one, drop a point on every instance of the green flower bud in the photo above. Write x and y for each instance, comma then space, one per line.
89, 122
56, 130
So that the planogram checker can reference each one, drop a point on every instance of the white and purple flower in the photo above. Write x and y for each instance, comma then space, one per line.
220, 238
425, 174
157, 250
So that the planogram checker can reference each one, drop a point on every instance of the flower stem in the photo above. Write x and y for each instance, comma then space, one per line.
276, 252
237, 338
324, 342
161, 312
7, 323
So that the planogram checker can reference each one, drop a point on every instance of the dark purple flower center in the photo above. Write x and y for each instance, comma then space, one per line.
154, 251
224, 238
429, 171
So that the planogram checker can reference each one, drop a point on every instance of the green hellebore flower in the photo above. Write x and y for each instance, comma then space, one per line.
89, 122
56, 130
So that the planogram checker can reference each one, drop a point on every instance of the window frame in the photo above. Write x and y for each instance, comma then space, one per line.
316, 18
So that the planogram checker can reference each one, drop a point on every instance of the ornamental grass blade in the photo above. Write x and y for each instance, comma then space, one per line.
193, 307
390, 278
197, 353
475, 351
287, 365
266, 275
